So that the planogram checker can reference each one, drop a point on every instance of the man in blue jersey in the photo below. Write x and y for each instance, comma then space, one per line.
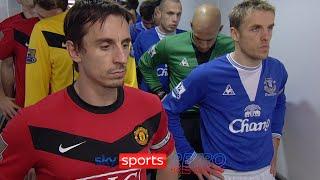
146, 9
170, 13
241, 99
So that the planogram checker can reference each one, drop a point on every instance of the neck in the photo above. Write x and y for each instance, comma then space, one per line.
163, 31
27, 12
95, 95
244, 60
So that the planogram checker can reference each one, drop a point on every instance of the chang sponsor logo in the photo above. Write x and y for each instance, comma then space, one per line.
162, 71
244, 126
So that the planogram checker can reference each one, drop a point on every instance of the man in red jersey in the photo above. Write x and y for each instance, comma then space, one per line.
14, 43
65, 135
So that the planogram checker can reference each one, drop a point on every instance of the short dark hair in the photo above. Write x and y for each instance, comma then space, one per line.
52, 4
85, 13
240, 11
162, 3
147, 9
129, 4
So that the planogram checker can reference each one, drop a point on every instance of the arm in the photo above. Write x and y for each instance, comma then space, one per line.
38, 68
16, 149
185, 95
148, 63
168, 173
7, 106
7, 76
278, 122
162, 142
130, 78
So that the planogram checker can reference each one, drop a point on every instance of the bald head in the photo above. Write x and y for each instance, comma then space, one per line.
206, 16
205, 26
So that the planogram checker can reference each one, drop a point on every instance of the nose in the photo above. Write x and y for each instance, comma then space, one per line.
120, 55
266, 35
175, 18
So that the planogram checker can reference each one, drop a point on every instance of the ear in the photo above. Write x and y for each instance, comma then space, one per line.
157, 11
234, 34
73, 51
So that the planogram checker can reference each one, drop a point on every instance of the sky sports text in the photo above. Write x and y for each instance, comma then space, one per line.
154, 160
142, 160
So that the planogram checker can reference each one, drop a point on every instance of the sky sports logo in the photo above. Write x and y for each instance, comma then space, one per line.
153, 160
142, 160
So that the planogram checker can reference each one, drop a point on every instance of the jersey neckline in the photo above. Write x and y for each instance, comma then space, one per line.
96, 109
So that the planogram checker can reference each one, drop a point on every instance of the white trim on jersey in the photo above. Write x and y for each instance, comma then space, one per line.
162, 143
161, 34
250, 77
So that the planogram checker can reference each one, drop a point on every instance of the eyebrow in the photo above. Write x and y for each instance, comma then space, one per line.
109, 40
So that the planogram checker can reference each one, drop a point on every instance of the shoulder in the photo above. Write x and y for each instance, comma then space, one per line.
7, 23
180, 31
142, 99
177, 41
45, 107
215, 66
275, 64
181, 37
224, 39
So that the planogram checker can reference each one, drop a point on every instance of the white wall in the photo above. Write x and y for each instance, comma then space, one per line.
8, 8
3, 9
296, 42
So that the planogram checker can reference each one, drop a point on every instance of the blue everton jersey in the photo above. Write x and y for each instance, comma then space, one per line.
135, 30
144, 41
231, 124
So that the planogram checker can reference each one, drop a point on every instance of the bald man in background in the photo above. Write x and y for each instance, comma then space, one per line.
182, 53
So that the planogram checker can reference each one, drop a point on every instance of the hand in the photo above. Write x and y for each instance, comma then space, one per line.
273, 167
202, 167
7, 107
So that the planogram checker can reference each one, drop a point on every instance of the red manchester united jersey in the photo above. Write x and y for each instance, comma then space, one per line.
63, 137
16, 31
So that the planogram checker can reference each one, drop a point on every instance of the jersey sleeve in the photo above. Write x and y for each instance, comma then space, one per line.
163, 141
130, 78
7, 44
149, 61
16, 149
186, 94
279, 111
38, 68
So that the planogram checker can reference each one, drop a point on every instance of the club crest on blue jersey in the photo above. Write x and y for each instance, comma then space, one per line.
252, 110
178, 91
141, 135
152, 51
31, 56
270, 87
3, 146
